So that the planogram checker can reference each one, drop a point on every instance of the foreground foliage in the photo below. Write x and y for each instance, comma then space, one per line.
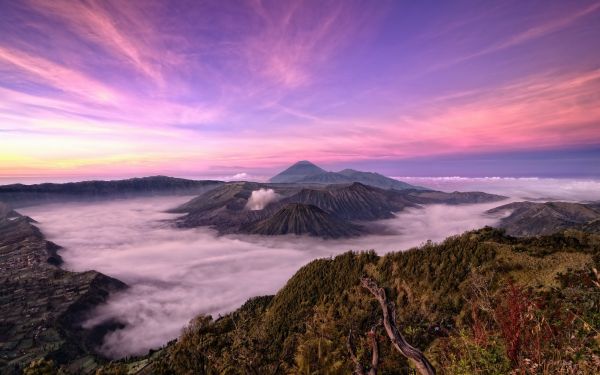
478, 303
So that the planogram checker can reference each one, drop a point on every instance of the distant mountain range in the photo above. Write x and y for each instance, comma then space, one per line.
18, 195
307, 172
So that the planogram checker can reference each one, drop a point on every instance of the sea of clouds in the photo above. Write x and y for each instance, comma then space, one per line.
522, 188
175, 274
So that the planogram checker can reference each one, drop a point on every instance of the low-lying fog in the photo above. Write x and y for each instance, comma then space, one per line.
175, 274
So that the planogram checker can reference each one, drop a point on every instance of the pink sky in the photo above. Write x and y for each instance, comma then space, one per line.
101, 88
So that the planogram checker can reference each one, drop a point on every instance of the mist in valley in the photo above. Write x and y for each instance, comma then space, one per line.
175, 274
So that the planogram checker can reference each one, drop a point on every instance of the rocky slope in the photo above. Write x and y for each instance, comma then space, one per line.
296, 218
532, 219
41, 305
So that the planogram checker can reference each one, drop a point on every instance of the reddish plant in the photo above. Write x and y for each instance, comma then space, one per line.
512, 316
523, 325
480, 333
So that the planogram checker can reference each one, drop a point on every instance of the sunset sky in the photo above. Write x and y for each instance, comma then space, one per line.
223, 88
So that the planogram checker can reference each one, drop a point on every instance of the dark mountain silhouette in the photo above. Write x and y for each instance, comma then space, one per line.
296, 218
19, 195
532, 219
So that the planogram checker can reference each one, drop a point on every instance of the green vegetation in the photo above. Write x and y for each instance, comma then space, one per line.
479, 303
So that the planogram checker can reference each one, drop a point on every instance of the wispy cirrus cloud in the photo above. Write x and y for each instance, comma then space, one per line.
156, 87
57, 76
529, 34
119, 28
295, 39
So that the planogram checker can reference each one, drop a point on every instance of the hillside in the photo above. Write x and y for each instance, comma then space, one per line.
482, 302
531, 219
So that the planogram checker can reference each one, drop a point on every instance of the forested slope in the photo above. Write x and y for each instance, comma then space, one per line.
482, 302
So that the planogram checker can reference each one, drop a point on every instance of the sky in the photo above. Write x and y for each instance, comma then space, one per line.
244, 88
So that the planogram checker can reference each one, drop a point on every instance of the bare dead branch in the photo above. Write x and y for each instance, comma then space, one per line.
374, 350
417, 358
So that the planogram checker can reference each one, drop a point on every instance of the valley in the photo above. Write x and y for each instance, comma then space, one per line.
168, 247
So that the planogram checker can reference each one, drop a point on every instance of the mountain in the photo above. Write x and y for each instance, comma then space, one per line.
42, 306
305, 172
296, 218
532, 219
234, 195
457, 301
297, 172
19, 195
222, 208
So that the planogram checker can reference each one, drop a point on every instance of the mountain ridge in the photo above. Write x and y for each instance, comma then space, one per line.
19, 195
